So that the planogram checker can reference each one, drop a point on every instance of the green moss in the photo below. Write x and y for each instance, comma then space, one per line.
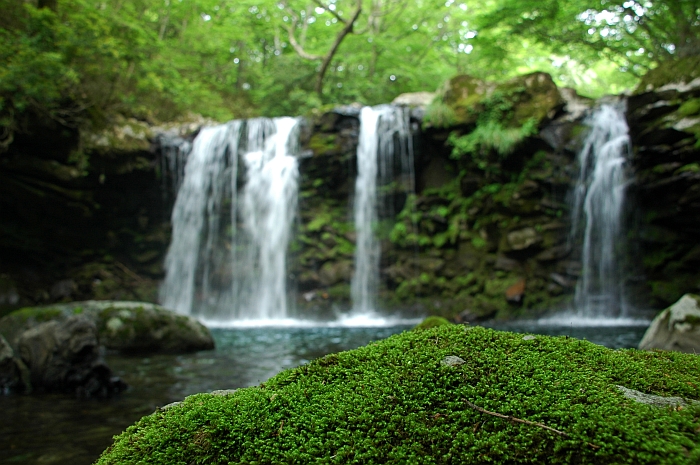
340, 291
665, 291
439, 114
689, 168
690, 107
432, 322
671, 71
478, 242
395, 402
322, 144
39, 314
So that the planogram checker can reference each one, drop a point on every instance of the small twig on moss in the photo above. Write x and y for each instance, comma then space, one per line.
520, 420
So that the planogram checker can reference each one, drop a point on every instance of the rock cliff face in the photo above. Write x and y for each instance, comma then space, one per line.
485, 233
86, 216
83, 215
664, 118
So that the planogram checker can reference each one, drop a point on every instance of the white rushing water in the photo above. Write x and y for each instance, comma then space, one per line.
384, 155
269, 206
597, 215
227, 256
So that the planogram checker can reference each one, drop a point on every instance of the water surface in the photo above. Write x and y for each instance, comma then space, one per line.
58, 429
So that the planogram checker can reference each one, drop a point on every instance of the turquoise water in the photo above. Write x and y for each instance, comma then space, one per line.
58, 429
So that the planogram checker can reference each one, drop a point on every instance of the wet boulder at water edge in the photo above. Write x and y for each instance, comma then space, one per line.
58, 347
676, 328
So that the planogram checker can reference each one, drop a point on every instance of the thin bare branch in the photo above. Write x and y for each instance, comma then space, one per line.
520, 420
333, 12
338, 39
293, 40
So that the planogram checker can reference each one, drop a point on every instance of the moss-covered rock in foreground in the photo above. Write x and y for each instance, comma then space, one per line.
395, 402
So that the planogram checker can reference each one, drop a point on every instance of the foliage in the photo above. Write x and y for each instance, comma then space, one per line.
632, 34
80, 61
395, 402
489, 135
492, 131
439, 114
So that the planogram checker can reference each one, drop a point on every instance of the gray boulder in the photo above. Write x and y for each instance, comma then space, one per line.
135, 327
64, 356
654, 400
676, 328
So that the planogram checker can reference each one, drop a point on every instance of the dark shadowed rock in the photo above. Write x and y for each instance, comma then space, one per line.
65, 356
9, 371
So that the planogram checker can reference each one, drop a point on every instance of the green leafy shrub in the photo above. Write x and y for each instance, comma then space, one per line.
439, 114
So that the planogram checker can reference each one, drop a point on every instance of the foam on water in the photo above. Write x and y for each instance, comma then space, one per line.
583, 322
366, 320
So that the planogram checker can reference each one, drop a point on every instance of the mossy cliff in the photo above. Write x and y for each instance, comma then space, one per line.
83, 214
433, 396
664, 118
484, 234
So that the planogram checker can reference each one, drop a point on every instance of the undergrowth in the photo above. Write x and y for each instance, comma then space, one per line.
395, 402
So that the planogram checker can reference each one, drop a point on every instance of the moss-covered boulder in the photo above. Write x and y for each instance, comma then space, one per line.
124, 326
464, 94
670, 75
503, 398
432, 322
533, 96
676, 328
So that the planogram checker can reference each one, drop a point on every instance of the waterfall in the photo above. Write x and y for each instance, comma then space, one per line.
597, 214
384, 148
227, 256
268, 211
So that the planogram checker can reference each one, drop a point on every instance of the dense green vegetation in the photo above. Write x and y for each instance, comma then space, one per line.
407, 400
76, 61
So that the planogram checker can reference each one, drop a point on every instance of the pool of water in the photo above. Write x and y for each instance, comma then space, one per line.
57, 429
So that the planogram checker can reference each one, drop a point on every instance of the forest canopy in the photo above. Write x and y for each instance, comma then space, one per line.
78, 61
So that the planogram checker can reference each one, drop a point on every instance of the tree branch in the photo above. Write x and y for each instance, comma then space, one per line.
293, 41
526, 422
333, 12
338, 39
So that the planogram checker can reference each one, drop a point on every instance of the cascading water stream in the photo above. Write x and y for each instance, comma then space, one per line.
227, 257
384, 148
268, 210
597, 214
